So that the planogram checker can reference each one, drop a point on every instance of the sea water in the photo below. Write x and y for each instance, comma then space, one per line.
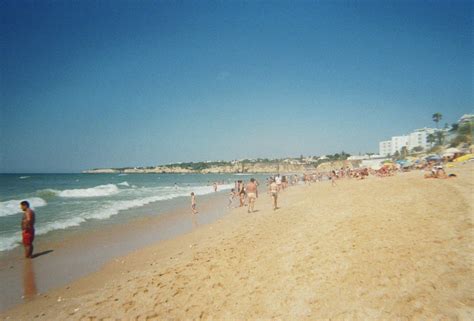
75, 201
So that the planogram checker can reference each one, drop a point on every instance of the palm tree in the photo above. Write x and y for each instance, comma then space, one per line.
403, 152
431, 139
437, 118
440, 137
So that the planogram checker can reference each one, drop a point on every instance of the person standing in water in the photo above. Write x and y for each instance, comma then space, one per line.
193, 203
28, 228
215, 186
252, 194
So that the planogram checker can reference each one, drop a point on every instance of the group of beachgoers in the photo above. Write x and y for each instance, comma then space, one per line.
336, 174
247, 192
436, 170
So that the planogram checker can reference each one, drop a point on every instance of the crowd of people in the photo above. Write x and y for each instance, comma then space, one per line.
436, 170
248, 192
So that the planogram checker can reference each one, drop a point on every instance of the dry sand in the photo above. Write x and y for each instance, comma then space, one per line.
396, 248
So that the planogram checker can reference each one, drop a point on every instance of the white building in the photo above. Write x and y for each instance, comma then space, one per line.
358, 157
398, 142
375, 161
466, 118
419, 138
385, 148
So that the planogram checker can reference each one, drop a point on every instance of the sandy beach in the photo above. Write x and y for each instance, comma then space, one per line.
68, 255
394, 248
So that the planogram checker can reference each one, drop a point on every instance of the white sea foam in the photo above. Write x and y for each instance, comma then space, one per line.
59, 225
24, 177
124, 184
10, 242
163, 193
12, 207
101, 190
106, 209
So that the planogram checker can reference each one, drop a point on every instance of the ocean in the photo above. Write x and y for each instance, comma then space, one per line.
79, 201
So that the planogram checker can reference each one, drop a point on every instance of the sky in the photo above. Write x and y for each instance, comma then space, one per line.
88, 84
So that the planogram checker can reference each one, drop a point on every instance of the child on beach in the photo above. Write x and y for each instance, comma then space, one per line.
242, 197
193, 203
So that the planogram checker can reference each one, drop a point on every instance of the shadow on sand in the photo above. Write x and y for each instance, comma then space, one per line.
34, 256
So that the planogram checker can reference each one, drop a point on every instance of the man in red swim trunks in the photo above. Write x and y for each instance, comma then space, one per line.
28, 228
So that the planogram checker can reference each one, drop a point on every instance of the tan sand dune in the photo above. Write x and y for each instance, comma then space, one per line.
396, 248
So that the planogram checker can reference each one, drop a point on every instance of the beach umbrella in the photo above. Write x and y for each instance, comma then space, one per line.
407, 164
453, 150
464, 158
389, 165
433, 157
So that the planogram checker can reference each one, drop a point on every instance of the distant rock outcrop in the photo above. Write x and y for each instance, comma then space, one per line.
231, 168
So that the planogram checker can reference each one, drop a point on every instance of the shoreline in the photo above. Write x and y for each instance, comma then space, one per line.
71, 255
384, 248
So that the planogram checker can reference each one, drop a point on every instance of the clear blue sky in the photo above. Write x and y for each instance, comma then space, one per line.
124, 83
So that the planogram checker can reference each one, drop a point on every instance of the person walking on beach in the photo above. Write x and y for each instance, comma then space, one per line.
193, 203
278, 181
274, 193
28, 228
252, 194
241, 192
333, 177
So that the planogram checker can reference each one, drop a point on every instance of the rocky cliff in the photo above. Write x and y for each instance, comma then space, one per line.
256, 167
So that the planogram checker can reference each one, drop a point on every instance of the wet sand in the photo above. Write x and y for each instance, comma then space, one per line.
395, 248
71, 255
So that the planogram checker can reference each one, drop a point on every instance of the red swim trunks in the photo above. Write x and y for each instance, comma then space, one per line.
28, 237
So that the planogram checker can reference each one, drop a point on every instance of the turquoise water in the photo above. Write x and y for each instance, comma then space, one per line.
66, 201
